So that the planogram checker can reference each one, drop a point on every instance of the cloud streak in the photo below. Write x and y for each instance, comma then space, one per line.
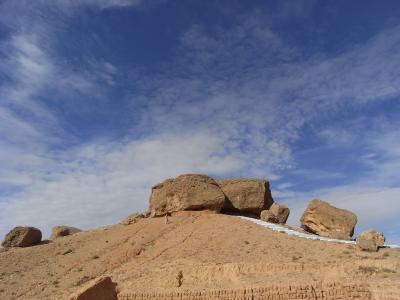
102, 181
233, 102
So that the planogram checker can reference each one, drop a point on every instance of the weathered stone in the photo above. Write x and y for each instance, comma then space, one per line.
22, 237
280, 211
248, 196
268, 216
186, 192
61, 231
132, 218
193, 213
339, 235
99, 289
367, 245
323, 219
370, 240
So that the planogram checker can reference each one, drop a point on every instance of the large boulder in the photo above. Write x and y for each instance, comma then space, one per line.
370, 240
248, 196
61, 231
323, 219
99, 289
186, 192
22, 237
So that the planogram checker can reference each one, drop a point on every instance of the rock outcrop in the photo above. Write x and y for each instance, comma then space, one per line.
61, 231
323, 219
100, 289
370, 240
289, 291
247, 196
186, 192
22, 237
132, 218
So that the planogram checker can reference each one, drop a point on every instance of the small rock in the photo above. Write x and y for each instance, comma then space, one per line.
367, 245
67, 252
280, 211
268, 216
370, 240
22, 237
99, 289
61, 231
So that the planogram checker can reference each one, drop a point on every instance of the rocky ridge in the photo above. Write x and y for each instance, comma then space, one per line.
188, 254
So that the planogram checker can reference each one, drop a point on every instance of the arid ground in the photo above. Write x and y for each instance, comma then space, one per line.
202, 257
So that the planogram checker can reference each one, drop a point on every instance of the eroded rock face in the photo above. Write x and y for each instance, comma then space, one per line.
248, 196
186, 192
99, 289
61, 231
132, 218
370, 240
323, 219
280, 211
22, 237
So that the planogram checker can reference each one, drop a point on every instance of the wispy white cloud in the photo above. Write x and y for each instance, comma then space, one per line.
28, 69
100, 183
373, 196
35, 82
108, 3
233, 102
234, 87
65, 5
376, 207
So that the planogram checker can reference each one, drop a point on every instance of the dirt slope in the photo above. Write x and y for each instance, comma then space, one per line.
202, 257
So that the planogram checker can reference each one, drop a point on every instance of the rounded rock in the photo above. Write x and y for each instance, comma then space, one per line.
61, 231
370, 240
22, 237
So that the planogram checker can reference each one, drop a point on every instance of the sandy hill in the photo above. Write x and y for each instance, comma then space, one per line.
199, 256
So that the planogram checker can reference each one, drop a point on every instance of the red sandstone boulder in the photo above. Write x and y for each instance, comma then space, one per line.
323, 219
22, 237
99, 289
186, 192
249, 196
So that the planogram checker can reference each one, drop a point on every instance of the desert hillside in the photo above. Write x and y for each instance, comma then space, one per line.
199, 256
199, 150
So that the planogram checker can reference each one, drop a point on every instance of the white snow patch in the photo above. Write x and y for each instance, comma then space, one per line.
276, 227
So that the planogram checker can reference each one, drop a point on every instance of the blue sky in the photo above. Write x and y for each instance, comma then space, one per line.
101, 99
